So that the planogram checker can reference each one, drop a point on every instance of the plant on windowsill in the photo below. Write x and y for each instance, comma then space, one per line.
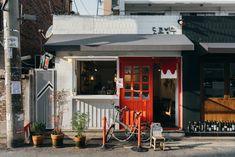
38, 130
79, 124
57, 136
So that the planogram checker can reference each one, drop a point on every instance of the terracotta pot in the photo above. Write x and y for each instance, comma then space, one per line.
57, 140
80, 141
37, 140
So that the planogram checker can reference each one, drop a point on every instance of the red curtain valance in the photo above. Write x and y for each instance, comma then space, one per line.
168, 64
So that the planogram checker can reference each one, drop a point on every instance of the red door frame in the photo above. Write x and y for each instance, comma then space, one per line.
151, 61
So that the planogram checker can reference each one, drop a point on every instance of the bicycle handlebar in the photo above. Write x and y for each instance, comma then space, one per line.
121, 109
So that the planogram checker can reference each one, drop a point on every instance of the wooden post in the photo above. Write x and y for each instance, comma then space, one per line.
139, 148
104, 132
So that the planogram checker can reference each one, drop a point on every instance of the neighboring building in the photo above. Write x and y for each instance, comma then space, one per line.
177, 7
209, 71
93, 7
143, 54
32, 42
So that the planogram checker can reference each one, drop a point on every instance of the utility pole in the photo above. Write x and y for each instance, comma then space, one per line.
14, 107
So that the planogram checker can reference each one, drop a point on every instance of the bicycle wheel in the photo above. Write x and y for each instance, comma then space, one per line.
145, 133
123, 136
109, 133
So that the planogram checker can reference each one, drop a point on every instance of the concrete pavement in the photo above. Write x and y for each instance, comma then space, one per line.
192, 146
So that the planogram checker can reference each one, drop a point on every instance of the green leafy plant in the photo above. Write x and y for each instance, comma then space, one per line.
38, 128
79, 123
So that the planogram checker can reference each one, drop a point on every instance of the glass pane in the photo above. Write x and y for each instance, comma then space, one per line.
232, 80
136, 78
136, 69
145, 69
136, 86
214, 79
145, 78
127, 86
232, 70
127, 95
145, 95
127, 69
96, 77
127, 78
136, 95
232, 88
145, 87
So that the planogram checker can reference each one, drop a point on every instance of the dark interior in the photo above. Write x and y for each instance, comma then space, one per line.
163, 104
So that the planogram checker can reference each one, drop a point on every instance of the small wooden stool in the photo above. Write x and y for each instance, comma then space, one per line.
157, 141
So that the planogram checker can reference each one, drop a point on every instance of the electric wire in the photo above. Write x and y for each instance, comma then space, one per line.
85, 7
75, 4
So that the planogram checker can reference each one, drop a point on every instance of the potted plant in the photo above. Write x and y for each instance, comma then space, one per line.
57, 136
79, 124
38, 131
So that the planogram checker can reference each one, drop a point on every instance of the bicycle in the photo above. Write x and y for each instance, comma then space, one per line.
129, 130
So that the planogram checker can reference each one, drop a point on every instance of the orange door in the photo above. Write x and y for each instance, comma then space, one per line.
137, 91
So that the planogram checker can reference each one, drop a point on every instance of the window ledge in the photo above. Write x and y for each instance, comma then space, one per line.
99, 97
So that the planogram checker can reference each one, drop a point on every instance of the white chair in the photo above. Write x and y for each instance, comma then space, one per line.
156, 137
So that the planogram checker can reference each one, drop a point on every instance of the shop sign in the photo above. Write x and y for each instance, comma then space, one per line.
164, 30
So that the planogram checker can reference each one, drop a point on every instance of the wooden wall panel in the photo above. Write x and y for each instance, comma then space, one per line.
219, 109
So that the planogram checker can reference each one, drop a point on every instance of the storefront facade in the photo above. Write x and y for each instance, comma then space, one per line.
209, 94
125, 61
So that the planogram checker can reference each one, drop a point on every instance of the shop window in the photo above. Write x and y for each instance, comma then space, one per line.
96, 77
232, 80
214, 79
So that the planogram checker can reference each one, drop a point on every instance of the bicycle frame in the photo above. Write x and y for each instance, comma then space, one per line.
116, 120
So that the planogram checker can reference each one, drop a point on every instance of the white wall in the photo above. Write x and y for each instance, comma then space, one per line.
64, 80
112, 24
88, 7
96, 110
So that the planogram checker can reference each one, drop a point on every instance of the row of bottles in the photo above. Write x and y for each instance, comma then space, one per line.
211, 126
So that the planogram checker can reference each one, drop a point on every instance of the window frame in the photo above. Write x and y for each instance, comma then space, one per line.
93, 58
227, 78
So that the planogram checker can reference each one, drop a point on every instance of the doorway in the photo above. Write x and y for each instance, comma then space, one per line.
153, 87
165, 97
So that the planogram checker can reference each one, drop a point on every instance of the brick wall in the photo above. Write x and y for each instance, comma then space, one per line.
31, 40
